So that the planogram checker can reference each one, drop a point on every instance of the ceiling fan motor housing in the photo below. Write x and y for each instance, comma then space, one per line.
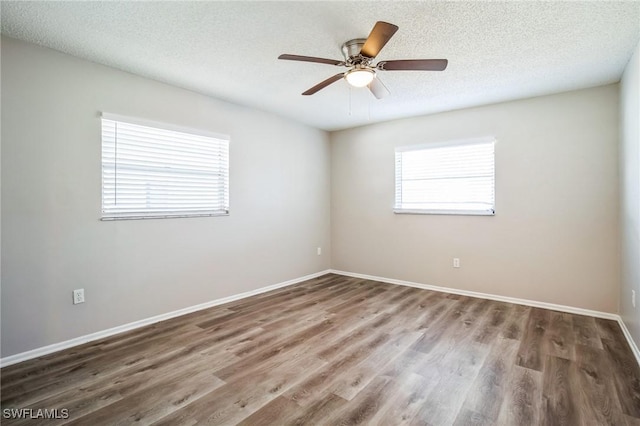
351, 52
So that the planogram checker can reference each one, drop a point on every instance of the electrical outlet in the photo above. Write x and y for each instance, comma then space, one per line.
633, 298
78, 296
456, 262
319, 251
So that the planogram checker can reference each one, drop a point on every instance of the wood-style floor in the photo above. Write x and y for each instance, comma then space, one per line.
342, 351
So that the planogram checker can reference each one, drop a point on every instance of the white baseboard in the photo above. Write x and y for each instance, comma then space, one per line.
533, 303
45, 350
632, 343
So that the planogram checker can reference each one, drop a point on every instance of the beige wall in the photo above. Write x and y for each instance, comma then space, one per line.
554, 237
53, 242
630, 194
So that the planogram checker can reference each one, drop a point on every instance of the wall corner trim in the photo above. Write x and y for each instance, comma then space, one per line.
526, 302
45, 350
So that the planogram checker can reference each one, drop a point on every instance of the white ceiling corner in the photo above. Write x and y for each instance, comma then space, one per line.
497, 51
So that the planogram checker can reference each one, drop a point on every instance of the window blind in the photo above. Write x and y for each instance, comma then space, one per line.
450, 178
150, 172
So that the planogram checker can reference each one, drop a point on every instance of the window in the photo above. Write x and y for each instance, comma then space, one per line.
448, 178
153, 170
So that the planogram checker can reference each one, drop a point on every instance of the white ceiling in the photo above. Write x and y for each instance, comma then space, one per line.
497, 51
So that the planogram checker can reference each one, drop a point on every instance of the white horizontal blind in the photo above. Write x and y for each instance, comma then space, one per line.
455, 178
150, 172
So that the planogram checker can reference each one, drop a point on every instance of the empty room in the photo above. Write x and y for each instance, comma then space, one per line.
320, 213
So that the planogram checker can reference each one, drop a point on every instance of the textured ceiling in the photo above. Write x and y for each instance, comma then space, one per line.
497, 51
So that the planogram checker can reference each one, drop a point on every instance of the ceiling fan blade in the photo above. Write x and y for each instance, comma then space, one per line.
310, 59
378, 89
323, 84
413, 65
379, 36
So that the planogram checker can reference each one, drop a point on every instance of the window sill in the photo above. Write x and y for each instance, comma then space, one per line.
446, 212
111, 218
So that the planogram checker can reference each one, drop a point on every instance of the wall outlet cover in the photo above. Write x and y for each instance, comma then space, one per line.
78, 296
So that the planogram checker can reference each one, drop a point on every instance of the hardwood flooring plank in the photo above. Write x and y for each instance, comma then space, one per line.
274, 336
284, 346
471, 418
301, 289
362, 331
70, 359
559, 338
357, 300
143, 335
325, 295
459, 317
277, 412
282, 411
481, 306
277, 329
258, 310
491, 386
130, 358
155, 402
585, 331
406, 397
230, 342
290, 347
625, 373
289, 319
384, 323
532, 352
257, 361
457, 367
292, 294
37, 388
352, 382
318, 412
325, 301
409, 362
595, 389
609, 329
438, 307
365, 405
236, 401
492, 325
318, 383
357, 378
102, 393
523, 403
517, 323
559, 393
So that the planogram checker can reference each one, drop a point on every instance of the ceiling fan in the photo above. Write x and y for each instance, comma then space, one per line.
359, 54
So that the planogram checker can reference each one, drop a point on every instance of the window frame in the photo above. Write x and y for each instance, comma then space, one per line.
157, 125
453, 143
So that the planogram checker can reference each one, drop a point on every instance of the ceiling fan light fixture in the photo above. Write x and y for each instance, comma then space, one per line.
359, 77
